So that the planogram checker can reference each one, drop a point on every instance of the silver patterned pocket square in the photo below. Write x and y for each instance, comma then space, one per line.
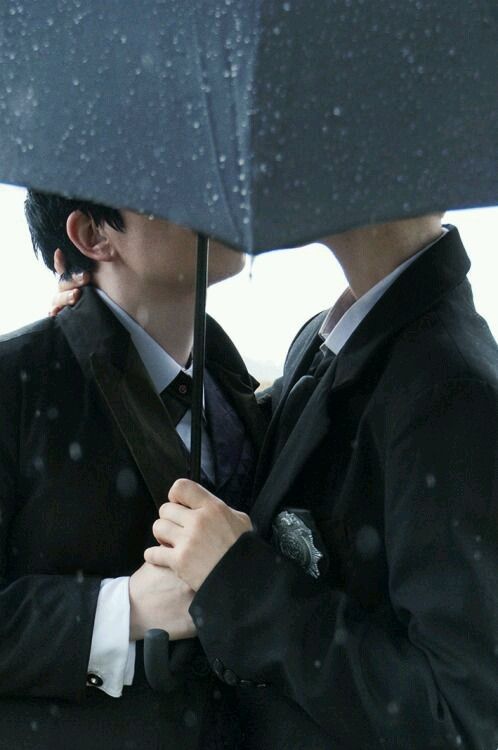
295, 539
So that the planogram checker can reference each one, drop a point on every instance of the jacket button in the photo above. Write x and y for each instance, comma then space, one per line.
93, 680
230, 678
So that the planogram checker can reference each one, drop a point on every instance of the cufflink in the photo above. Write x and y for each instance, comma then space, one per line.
94, 680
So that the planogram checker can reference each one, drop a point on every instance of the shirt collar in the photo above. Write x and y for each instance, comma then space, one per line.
161, 367
346, 315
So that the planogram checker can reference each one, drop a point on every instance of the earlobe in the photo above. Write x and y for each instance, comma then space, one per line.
88, 237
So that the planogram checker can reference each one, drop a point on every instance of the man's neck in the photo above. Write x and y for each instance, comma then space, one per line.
166, 316
369, 254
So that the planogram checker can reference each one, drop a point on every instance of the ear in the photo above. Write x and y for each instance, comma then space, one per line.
90, 239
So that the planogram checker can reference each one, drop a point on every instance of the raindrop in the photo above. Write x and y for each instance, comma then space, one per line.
126, 482
430, 481
367, 542
477, 555
190, 718
38, 463
79, 576
340, 637
75, 452
393, 708
337, 111
34, 726
286, 7
52, 413
317, 663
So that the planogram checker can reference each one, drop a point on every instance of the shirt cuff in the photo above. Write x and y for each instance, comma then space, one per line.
112, 656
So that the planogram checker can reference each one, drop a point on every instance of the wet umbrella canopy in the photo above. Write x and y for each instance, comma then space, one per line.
263, 123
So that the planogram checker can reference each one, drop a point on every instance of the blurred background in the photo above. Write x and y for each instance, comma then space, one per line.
308, 280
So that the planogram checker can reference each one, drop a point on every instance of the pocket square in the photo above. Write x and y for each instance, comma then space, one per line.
295, 535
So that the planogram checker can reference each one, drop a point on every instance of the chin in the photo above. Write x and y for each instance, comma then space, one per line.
224, 262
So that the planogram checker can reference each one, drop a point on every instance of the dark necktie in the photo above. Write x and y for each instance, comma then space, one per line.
299, 395
177, 397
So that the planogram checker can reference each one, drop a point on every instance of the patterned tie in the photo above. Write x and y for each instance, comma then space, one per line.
177, 397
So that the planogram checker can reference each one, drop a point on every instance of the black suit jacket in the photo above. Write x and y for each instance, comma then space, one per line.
395, 453
87, 454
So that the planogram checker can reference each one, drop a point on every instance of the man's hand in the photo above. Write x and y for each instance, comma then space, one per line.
195, 530
159, 599
68, 291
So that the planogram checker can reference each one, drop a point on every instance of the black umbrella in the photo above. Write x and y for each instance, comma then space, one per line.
263, 123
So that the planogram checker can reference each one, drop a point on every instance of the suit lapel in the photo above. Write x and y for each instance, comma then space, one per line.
298, 361
143, 421
226, 366
105, 353
309, 430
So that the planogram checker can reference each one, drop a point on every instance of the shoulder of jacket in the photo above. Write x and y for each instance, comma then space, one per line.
303, 337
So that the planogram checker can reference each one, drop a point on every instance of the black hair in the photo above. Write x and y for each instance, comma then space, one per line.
47, 214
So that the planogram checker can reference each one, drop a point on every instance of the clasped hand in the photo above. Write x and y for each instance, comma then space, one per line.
194, 530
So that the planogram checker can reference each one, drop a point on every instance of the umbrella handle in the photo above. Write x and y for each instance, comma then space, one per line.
157, 661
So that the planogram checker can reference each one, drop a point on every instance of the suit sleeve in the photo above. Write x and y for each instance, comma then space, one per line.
46, 621
422, 671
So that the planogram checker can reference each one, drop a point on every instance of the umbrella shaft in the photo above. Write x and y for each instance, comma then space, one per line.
199, 356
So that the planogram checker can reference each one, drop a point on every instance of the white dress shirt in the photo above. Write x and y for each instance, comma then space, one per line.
112, 655
345, 316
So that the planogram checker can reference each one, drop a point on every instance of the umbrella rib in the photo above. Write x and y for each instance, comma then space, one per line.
212, 137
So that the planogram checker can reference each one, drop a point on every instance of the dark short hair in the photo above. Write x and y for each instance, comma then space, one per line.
47, 214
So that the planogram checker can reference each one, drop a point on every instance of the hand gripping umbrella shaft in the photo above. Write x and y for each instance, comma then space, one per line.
159, 668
